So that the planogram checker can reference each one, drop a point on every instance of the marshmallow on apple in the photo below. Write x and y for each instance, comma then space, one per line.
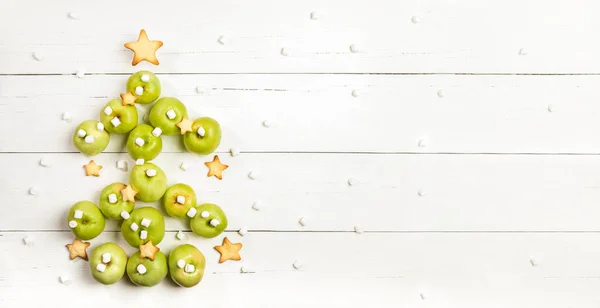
178, 200
118, 119
208, 220
144, 224
107, 263
145, 85
112, 204
186, 265
85, 220
90, 137
149, 181
205, 136
166, 113
146, 272
144, 142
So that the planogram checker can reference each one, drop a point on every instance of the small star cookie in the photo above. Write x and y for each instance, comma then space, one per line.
148, 250
144, 49
78, 249
92, 168
128, 99
229, 251
185, 125
128, 193
216, 168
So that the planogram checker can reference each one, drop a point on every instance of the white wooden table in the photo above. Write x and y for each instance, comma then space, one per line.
470, 128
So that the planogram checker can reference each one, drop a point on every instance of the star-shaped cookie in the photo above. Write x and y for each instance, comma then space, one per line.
185, 125
128, 99
229, 251
144, 49
92, 168
148, 250
78, 249
128, 193
216, 168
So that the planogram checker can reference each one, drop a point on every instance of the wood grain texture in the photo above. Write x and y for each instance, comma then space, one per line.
387, 270
459, 192
317, 113
466, 36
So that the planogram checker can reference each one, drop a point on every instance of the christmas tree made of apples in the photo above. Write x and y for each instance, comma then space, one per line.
144, 227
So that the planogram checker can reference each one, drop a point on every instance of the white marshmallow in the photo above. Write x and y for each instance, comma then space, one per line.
141, 269
108, 110
245, 269
145, 78
201, 131
354, 48
151, 172
101, 267
125, 215
139, 90
45, 162
440, 93
352, 181
89, 139
302, 221
81, 133
200, 90
143, 234
115, 122
74, 15
184, 166
78, 214
33, 191
80, 74
256, 205
253, 175
297, 264
38, 56
112, 198
140, 161
315, 15
146, 222
139, 141
64, 279
523, 51
415, 19
214, 222
28, 240
100, 126
156, 132
171, 114
358, 229
106, 257
422, 143
223, 40
189, 268
66, 116
180, 199
205, 214
266, 123
180, 263
234, 152
285, 52
192, 212
243, 231
180, 235
72, 224
356, 93
122, 165
134, 227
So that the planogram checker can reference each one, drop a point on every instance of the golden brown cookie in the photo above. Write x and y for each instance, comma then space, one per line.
216, 168
92, 168
148, 250
144, 49
229, 251
78, 249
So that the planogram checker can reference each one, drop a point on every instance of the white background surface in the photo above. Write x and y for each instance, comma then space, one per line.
498, 207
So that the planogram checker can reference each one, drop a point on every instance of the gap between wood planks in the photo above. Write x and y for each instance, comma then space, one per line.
331, 73
349, 231
340, 153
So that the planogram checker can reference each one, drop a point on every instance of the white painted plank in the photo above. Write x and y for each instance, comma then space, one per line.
459, 192
340, 270
317, 113
450, 36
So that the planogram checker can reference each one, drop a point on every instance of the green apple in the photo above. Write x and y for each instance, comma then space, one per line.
141, 143
112, 206
209, 221
85, 220
178, 200
132, 228
107, 263
148, 91
166, 113
206, 144
153, 271
186, 265
149, 181
90, 137
118, 119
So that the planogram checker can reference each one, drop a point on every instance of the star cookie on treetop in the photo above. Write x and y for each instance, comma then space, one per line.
144, 49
